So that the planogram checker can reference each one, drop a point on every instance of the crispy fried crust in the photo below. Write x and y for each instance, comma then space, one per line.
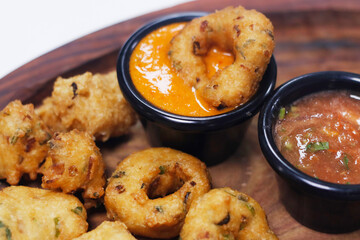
87, 102
108, 231
31, 213
248, 33
74, 162
226, 214
23, 137
137, 191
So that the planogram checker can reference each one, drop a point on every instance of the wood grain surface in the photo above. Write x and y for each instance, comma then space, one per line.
310, 35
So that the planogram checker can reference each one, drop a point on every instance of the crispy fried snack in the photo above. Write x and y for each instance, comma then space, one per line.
248, 33
32, 214
87, 102
108, 231
74, 162
23, 137
226, 214
152, 190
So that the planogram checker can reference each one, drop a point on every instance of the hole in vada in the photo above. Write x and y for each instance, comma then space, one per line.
216, 59
169, 180
164, 185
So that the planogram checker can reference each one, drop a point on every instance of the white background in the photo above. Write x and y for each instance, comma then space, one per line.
30, 28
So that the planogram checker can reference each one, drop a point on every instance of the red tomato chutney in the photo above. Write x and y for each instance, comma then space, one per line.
154, 77
320, 135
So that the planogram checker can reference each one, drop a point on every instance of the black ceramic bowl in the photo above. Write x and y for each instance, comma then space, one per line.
320, 205
212, 139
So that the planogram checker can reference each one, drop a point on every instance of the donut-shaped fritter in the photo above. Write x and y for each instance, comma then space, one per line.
247, 33
152, 190
108, 231
226, 214
87, 102
31, 213
23, 138
73, 163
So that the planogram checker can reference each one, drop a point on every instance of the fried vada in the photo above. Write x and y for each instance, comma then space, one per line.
23, 138
74, 163
226, 214
87, 102
32, 214
247, 33
152, 190
108, 231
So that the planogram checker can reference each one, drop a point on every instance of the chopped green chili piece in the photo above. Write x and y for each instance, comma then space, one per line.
7, 230
317, 146
240, 51
119, 174
13, 139
243, 198
251, 208
282, 113
8, 233
348, 183
57, 227
230, 193
248, 42
162, 170
77, 210
346, 162
270, 33
159, 209
242, 225
228, 237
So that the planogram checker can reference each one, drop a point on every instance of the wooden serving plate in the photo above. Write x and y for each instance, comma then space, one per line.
310, 36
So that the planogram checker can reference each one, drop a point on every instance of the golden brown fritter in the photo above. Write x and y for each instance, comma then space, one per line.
108, 231
152, 190
87, 102
73, 163
32, 214
23, 137
47, 114
226, 214
247, 33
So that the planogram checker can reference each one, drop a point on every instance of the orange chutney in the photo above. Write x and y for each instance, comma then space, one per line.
160, 84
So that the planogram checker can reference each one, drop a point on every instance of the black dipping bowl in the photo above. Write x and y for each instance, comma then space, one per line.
320, 205
211, 139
